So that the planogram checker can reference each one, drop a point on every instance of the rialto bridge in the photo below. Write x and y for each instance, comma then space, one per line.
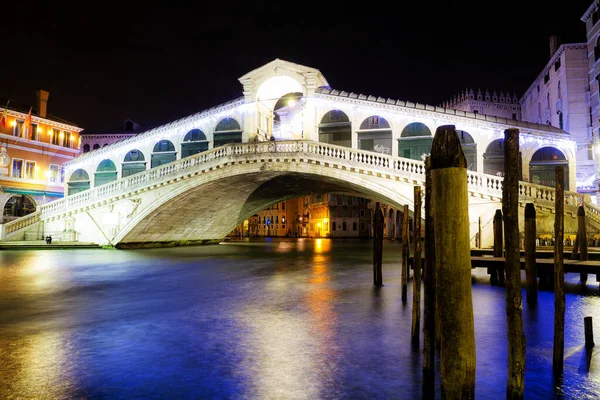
196, 178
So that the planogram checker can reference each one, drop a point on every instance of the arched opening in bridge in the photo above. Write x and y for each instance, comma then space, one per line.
106, 172
543, 164
469, 148
96, 146
228, 130
133, 163
288, 117
194, 142
17, 206
375, 134
336, 128
415, 141
493, 159
86, 148
78, 182
163, 153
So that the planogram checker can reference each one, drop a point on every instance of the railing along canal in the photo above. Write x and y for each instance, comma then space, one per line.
322, 152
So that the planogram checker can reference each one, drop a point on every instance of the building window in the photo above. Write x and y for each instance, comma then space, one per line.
538, 88
514, 116
547, 77
17, 168
35, 133
344, 226
539, 110
354, 226
548, 101
333, 226
18, 128
55, 136
560, 119
29, 169
559, 90
597, 49
54, 174
67, 139
590, 152
557, 64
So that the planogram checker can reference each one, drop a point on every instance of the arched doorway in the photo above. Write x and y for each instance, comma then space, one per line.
17, 206
163, 153
106, 172
543, 164
194, 142
78, 182
336, 128
415, 141
493, 159
228, 130
375, 134
469, 148
133, 163
288, 117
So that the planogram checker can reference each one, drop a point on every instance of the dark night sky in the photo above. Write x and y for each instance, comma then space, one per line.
103, 64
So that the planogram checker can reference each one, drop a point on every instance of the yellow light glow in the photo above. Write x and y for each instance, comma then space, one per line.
48, 173
318, 224
40, 130
13, 123
291, 102
325, 220
37, 168
62, 134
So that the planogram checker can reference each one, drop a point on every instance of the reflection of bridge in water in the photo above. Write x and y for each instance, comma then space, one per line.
202, 197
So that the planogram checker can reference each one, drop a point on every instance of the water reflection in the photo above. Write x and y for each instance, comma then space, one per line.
270, 320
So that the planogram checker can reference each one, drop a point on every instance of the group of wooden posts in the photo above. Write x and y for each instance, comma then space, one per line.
448, 308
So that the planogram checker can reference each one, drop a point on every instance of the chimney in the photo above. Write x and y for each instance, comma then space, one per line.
554, 44
42, 102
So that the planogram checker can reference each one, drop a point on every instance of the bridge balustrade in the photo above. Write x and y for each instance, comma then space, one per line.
409, 169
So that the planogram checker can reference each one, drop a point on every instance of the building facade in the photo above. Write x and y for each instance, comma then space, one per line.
504, 105
559, 97
33, 148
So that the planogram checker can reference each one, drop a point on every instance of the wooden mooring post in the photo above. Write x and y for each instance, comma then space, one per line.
498, 250
589, 332
416, 308
429, 302
582, 241
405, 253
530, 254
510, 208
377, 245
559, 275
453, 265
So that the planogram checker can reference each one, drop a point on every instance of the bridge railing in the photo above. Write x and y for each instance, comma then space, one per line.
19, 223
375, 162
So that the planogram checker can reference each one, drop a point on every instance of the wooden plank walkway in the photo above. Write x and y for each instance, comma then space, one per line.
590, 266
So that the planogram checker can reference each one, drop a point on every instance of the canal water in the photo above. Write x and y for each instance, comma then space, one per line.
267, 319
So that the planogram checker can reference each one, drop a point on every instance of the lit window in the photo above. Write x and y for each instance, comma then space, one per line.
29, 169
17, 168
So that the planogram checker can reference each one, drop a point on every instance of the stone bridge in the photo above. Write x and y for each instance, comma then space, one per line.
201, 198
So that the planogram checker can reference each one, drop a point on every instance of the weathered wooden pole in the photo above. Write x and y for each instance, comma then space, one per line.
405, 253
416, 309
589, 332
377, 245
530, 254
510, 208
453, 264
559, 275
479, 233
582, 236
494, 271
429, 316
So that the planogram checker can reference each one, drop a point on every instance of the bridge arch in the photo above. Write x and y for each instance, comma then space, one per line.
105, 173
543, 163
78, 181
415, 140
335, 128
194, 142
17, 206
163, 153
493, 159
287, 117
133, 162
375, 134
227, 130
86, 148
469, 148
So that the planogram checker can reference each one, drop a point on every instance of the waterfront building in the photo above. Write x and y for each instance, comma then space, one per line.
590, 18
559, 97
502, 105
34, 145
92, 140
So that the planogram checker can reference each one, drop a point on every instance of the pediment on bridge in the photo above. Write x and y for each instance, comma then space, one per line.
307, 77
